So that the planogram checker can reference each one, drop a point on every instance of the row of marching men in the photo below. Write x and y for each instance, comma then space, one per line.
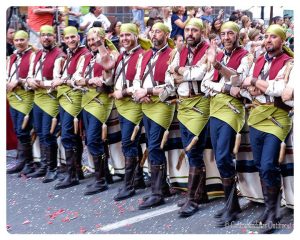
147, 83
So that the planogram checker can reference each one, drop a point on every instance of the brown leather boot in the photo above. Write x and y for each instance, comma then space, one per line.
156, 198
26, 154
196, 187
128, 190
21, 161
71, 178
99, 184
41, 171
201, 196
232, 206
273, 197
51, 156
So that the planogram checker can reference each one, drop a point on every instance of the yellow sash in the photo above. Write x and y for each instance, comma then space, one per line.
45, 102
219, 109
258, 119
97, 104
189, 117
159, 112
73, 108
24, 106
129, 109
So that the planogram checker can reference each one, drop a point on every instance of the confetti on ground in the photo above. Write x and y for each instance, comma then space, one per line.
66, 219
55, 214
26, 222
98, 225
8, 227
82, 230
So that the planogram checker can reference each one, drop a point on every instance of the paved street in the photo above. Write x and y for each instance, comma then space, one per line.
34, 207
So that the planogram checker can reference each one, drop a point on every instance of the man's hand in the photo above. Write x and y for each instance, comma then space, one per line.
247, 82
96, 81
56, 82
287, 94
145, 99
117, 94
211, 54
11, 85
32, 83
235, 92
254, 91
140, 93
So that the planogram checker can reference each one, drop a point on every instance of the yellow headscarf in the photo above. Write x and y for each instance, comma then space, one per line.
101, 32
129, 27
231, 25
47, 29
20, 35
132, 28
277, 30
196, 22
161, 27
165, 29
70, 30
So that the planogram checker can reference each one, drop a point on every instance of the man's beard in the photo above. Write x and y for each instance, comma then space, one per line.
157, 42
48, 47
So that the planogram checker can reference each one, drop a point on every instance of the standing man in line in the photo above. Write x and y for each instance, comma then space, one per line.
227, 115
97, 105
130, 112
151, 72
269, 123
20, 99
70, 96
187, 71
46, 66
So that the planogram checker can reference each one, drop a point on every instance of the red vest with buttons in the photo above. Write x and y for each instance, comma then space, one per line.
198, 54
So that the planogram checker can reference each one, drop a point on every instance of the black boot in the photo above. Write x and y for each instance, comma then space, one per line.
227, 190
79, 160
139, 182
51, 156
108, 176
273, 197
232, 204
21, 161
99, 184
156, 198
26, 154
165, 187
41, 171
128, 190
71, 178
61, 172
263, 217
197, 178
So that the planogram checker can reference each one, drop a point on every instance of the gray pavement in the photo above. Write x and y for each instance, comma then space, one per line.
35, 207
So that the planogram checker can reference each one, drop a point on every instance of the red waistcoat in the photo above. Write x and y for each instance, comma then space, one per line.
24, 64
199, 52
132, 62
48, 64
161, 64
234, 61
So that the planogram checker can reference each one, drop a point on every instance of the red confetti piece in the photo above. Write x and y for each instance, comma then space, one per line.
66, 219
128, 225
49, 223
49, 208
26, 222
82, 230
55, 214
244, 230
98, 225
8, 227
168, 225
